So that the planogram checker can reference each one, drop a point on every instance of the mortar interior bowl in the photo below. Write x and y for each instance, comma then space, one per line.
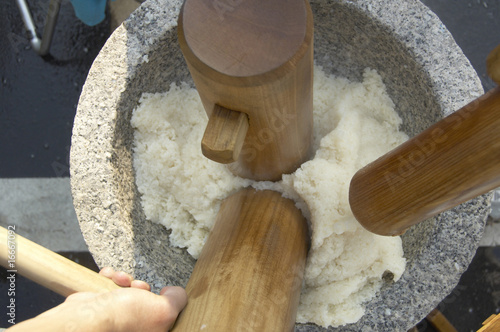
427, 77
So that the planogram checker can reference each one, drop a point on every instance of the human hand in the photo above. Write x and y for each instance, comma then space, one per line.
176, 299
123, 279
132, 308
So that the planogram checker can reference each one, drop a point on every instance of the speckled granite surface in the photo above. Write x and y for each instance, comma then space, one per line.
425, 72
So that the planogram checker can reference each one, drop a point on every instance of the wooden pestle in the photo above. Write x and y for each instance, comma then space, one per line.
249, 274
453, 161
493, 64
47, 268
251, 62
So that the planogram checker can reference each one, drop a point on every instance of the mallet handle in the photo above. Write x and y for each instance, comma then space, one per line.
48, 268
451, 162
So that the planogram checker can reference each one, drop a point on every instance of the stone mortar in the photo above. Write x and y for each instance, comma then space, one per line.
427, 77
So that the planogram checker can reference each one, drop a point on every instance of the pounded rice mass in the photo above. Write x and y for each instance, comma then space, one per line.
354, 123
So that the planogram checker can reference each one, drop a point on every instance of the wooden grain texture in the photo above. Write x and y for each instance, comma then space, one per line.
249, 274
493, 64
451, 162
440, 322
255, 57
224, 136
492, 324
48, 268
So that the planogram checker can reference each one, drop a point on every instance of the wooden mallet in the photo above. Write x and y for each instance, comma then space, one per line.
251, 62
453, 161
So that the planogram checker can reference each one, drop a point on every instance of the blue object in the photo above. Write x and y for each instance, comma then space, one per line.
90, 12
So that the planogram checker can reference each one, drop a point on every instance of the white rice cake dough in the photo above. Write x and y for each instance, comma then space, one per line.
354, 123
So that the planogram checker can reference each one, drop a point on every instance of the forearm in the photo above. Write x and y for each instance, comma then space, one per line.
53, 325
124, 309
68, 317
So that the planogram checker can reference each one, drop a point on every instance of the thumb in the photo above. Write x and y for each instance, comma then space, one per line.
177, 300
